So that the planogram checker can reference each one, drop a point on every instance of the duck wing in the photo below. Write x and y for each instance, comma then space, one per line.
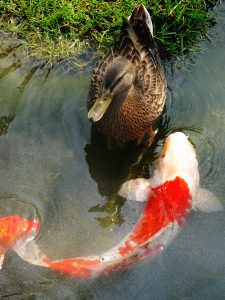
98, 74
150, 79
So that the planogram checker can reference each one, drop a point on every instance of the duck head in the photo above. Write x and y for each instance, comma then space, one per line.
117, 81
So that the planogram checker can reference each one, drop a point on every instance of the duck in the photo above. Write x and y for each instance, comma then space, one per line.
127, 92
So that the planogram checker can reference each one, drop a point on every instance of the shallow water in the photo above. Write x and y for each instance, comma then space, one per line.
51, 159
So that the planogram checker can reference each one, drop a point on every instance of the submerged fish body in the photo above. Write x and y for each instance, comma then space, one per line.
170, 194
15, 231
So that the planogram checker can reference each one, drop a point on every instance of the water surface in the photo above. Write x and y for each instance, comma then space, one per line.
51, 159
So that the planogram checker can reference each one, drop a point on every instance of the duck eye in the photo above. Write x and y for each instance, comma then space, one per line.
115, 83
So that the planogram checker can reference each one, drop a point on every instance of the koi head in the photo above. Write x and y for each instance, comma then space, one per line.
178, 158
14, 229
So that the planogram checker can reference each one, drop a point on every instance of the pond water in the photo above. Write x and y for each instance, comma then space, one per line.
52, 160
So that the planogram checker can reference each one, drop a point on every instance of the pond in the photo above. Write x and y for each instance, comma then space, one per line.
52, 160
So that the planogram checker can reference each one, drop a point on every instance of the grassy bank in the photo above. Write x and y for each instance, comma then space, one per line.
61, 28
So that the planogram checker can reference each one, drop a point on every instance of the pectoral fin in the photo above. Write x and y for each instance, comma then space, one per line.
136, 189
206, 201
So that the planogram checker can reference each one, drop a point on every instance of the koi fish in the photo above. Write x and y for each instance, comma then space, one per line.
18, 233
171, 193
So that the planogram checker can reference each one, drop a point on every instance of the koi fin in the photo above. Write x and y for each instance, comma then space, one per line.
136, 189
206, 201
30, 252
2, 255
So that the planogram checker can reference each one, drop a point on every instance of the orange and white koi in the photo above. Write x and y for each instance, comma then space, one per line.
170, 195
16, 233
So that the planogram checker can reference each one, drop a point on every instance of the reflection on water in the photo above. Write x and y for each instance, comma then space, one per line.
11, 204
5, 122
51, 159
109, 168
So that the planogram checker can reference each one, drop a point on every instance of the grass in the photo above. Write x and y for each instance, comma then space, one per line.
60, 28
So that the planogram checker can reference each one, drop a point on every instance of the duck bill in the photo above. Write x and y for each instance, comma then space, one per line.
99, 108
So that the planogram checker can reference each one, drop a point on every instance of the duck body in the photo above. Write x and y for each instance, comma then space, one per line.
128, 87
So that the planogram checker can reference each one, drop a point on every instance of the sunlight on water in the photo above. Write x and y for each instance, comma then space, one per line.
52, 160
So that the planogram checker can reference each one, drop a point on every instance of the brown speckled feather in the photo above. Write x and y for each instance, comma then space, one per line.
129, 119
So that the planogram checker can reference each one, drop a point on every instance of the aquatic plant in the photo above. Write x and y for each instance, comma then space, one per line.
59, 28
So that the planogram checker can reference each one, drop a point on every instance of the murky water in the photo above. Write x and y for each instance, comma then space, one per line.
52, 160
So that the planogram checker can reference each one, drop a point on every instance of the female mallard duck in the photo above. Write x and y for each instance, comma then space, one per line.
128, 86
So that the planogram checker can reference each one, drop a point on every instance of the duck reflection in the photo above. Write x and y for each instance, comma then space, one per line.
5, 121
109, 168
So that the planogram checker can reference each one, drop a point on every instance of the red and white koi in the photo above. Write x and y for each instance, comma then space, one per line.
170, 194
17, 233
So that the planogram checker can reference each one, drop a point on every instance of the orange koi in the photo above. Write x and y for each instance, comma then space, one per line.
15, 230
